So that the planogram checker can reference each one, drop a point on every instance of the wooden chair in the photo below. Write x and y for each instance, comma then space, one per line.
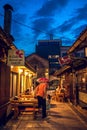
60, 97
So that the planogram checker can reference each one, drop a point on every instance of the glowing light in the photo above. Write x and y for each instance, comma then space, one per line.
20, 70
26, 72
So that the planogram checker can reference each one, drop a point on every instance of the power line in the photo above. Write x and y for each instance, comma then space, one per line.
30, 27
27, 26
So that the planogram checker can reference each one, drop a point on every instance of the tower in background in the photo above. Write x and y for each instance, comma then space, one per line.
50, 50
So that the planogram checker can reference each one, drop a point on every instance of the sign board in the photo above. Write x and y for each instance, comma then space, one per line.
16, 57
64, 60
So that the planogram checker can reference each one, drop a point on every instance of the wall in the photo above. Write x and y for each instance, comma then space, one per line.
4, 90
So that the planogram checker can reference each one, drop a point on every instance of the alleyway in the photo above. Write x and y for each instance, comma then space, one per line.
61, 117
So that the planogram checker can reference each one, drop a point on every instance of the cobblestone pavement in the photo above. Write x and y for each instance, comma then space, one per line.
60, 117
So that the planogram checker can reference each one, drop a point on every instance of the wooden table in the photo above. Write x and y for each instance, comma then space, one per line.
24, 104
28, 96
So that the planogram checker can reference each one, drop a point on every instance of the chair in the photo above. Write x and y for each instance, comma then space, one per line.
60, 97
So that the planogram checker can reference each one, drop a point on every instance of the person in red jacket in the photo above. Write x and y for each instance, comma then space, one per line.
41, 93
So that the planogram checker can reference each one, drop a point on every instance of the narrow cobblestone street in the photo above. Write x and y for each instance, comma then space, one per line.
61, 117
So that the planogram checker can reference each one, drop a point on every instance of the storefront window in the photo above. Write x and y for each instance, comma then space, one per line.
82, 81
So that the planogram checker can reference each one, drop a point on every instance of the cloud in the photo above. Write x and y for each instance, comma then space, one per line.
37, 20
66, 26
49, 8
73, 26
78, 30
42, 24
44, 17
79, 16
67, 41
81, 13
17, 28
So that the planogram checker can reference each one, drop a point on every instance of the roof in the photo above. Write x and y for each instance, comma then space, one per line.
77, 63
29, 67
62, 70
8, 40
80, 43
36, 59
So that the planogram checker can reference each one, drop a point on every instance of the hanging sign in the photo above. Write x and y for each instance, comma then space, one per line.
64, 60
16, 58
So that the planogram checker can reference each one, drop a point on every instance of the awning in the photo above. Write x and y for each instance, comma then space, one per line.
77, 63
62, 70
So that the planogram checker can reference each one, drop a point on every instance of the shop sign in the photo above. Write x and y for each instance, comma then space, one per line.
64, 60
16, 58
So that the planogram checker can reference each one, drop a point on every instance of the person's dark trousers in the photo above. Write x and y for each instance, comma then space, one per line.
42, 104
44, 108
40, 100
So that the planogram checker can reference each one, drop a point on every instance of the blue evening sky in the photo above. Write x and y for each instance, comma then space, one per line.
34, 20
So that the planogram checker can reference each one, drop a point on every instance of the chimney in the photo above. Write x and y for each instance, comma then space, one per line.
7, 18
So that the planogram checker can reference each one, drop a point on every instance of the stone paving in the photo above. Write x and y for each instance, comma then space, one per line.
60, 117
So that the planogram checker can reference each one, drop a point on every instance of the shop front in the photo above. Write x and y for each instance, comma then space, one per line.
79, 66
14, 79
21, 79
82, 87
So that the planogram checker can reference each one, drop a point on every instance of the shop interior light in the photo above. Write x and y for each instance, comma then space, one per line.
12, 66
26, 72
30, 74
85, 51
20, 70
83, 79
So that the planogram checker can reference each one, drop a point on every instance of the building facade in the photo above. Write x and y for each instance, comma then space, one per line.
74, 74
51, 50
14, 80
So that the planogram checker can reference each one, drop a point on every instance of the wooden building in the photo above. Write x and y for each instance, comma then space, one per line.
79, 66
74, 74
13, 79
40, 64
5, 44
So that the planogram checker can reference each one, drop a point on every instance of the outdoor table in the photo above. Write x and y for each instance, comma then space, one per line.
24, 104
28, 96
